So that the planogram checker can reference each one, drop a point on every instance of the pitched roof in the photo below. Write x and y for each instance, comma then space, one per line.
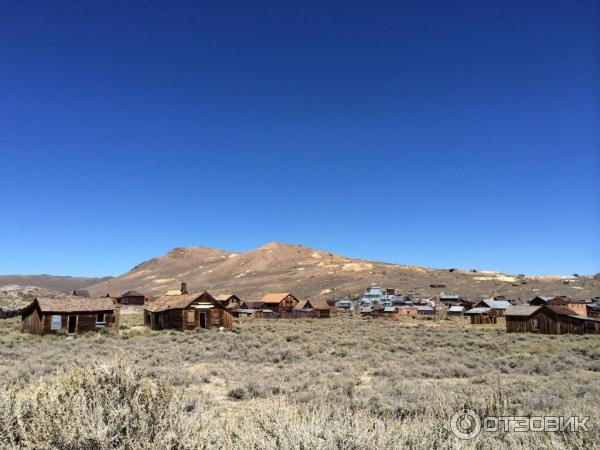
132, 294
456, 309
74, 304
274, 298
180, 301
224, 297
521, 311
253, 305
496, 304
315, 304
478, 311
390, 309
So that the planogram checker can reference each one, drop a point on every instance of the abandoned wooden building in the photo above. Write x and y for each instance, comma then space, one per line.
187, 312
132, 298
280, 302
496, 306
321, 306
425, 310
548, 319
456, 311
481, 316
71, 315
228, 300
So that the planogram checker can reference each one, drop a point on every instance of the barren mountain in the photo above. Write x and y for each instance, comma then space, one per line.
309, 273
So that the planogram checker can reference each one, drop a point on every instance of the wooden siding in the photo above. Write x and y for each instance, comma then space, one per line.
41, 324
189, 319
546, 323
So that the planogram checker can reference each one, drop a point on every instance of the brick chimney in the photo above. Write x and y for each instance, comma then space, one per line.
184, 287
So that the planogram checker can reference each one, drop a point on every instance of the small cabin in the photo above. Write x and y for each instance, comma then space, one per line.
450, 298
456, 311
228, 300
549, 319
280, 302
496, 307
425, 310
317, 305
132, 298
71, 315
187, 312
481, 316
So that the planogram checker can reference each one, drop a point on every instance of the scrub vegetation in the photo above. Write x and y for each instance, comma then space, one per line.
345, 382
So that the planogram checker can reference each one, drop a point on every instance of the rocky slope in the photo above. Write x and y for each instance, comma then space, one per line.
309, 273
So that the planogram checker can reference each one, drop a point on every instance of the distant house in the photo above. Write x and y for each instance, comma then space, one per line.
481, 315
578, 305
252, 305
81, 293
456, 310
343, 304
372, 296
407, 310
187, 312
228, 300
448, 298
280, 302
541, 300
496, 307
391, 312
548, 319
181, 290
247, 313
425, 310
318, 305
71, 315
132, 298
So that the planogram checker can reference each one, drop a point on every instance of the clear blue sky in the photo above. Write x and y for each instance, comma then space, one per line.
450, 134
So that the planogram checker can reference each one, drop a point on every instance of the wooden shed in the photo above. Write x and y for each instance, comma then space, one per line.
132, 298
280, 302
456, 311
548, 319
71, 315
318, 305
481, 316
187, 312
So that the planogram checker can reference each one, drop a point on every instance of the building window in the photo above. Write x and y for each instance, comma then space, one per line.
190, 316
536, 324
100, 319
56, 323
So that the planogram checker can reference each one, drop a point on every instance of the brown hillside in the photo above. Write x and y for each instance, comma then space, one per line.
309, 273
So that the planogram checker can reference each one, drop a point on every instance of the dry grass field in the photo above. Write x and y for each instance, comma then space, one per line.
347, 383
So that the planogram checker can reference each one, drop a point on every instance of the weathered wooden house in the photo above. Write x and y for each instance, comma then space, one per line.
71, 315
450, 298
280, 302
246, 313
425, 310
496, 307
132, 298
456, 311
548, 319
252, 305
321, 306
228, 300
187, 312
481, 316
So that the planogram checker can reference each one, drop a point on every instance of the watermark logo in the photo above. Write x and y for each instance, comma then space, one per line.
466, 424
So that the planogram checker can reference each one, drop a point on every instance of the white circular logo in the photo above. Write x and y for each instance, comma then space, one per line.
465, 424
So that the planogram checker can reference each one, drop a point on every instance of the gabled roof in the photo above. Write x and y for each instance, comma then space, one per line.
181, 301
390, 309
132, 294
456, 309
275, 298
496, 304
252, 305
521, 311
224, 297
74, 304
478, 311
314, 304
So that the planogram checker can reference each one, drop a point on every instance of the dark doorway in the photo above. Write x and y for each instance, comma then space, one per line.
72, 324
202, 320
